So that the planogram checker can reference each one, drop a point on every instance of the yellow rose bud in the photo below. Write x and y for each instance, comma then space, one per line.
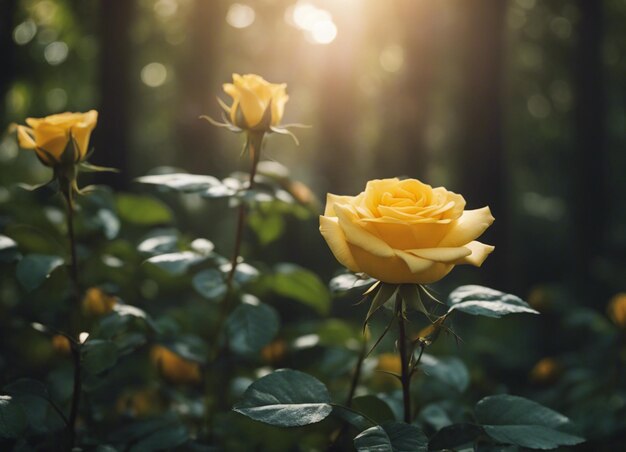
547, 370
617, 310
274, 351
50, 136
98, 303
404, 231
257, 104
61, 344
174, 368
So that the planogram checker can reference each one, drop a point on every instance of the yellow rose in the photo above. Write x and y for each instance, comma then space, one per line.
547, 370
617, 310
404, 231
257, 104
174, 368
98, 303
49, 136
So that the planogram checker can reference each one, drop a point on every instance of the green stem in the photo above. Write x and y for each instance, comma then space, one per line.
218, 350
405, 376
77, 386
357, 372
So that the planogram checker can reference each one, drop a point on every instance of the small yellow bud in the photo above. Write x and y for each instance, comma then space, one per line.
389, 362
616, 310
61, 344
547, 370
98, 303
274, 351
175, 368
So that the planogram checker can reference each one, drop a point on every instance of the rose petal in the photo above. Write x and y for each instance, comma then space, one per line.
468, 227
479, 250
25, 137
331, 200
446, 255
334, 236
357, 235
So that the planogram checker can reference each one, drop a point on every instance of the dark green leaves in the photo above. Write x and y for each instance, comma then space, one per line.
183, 182
392, 437
515, 420
348, 282
176, 263
210, 284
13, 421
297, 283
479, 300
250, 327
34, 269
8, 249
449, 370
286, 398
98, 355
142, 210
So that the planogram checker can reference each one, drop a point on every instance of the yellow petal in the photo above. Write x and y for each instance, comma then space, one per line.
51, 139
479, 250
331, 200
25, 137
251, 106
446, 255
334, 236
357, 235
468, 227
82, 131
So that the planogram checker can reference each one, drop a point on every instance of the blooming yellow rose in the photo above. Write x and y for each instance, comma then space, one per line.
49, 136
257, 104
404, 231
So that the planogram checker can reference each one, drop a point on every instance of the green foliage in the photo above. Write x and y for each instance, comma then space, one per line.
142, 210
478, 300
251, 326
34, 269
286, 398
392, 437
299, 284
13, 420
522, 422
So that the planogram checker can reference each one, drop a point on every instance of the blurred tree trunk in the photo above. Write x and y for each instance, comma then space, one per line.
589, 201
410, 111
481, 172
339, 115
114, 123
7, 51
198, 88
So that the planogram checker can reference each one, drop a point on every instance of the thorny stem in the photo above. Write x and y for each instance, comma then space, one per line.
254, 147
77, 386
357, 372
405, 376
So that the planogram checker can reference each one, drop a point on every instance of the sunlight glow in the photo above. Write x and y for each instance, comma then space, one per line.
240, 16
56, 52
392, 58
166, 8
317, 23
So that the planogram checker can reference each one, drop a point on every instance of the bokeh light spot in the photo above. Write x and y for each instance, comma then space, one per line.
154, 74
392, 58
324, 32
538, 106
166, 8
56, 52
240, 16
56, 99
24, 32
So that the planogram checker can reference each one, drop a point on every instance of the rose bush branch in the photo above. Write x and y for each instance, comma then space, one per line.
61, 142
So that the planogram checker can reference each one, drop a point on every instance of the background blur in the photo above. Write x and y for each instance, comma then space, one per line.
517, 104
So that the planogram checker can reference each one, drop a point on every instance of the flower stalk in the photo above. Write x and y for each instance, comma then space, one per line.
75, 344
405, 376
